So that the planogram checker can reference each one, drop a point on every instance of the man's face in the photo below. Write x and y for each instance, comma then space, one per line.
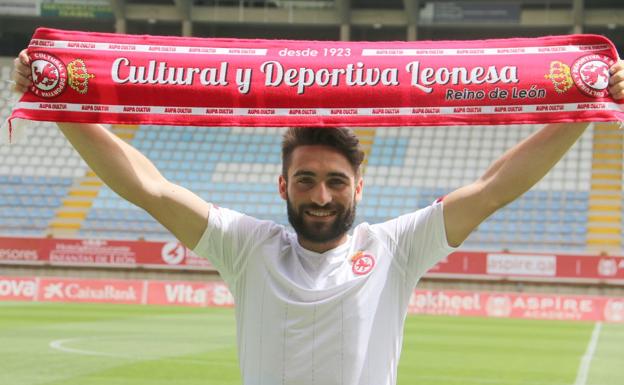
321, 192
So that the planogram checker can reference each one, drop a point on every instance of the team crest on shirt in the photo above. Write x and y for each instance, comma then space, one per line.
362, 263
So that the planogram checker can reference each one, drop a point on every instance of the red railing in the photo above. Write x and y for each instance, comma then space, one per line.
171, 255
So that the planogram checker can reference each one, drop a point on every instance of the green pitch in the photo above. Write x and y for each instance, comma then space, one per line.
61, 344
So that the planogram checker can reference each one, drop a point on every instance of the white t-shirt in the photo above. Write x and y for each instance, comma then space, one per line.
336, 318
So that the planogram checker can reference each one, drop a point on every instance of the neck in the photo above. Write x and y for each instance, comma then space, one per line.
321, 247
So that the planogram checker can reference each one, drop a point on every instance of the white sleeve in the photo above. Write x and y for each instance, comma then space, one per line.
418, 240
227, 240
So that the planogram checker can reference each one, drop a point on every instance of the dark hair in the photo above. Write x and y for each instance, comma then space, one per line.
342, 139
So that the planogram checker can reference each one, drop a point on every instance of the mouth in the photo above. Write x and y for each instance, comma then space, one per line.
320, 213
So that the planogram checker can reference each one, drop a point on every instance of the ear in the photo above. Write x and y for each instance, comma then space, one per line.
358, 189
282, 186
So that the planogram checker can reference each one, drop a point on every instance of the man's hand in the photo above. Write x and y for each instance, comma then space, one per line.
616, 81
21, 73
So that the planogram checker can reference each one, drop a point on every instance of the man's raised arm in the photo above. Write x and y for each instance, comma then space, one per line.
515, 172
129, 173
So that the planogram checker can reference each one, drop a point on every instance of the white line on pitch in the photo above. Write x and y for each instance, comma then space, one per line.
583, 371
60, 345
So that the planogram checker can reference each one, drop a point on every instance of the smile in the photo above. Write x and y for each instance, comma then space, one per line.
320, 213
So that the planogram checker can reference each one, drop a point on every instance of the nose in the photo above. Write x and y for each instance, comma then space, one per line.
321, 195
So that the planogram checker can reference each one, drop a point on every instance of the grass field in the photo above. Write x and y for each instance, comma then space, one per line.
78, 344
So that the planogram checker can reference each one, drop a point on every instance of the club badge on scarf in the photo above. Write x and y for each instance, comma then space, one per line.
128, 79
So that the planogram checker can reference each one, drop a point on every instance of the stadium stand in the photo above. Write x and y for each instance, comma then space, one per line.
411, 167
572, 216
35, 176
44, 184
237, 168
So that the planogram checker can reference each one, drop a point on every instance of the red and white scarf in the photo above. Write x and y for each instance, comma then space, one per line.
130, 79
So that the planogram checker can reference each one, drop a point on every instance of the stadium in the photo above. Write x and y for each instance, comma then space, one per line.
94, 291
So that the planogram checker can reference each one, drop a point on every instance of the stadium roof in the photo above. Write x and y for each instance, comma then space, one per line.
317, 19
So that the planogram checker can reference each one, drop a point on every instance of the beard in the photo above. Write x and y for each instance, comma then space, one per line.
321, 232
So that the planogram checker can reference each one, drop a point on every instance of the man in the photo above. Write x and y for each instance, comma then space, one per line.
320, 306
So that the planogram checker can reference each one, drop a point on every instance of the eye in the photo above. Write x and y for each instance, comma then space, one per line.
306, 180
336, 182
